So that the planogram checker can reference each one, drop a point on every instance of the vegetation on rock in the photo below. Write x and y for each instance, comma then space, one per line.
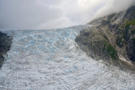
110, 36
111, 51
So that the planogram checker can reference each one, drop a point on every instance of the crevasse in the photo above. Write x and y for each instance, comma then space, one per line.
51, 60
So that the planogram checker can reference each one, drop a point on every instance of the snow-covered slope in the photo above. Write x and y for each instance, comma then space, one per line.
51, 60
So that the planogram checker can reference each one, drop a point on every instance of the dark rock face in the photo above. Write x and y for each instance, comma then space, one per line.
5, 44
131, 50
110, 36
96, 44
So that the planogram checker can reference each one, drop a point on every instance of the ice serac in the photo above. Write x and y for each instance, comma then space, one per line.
111, 37
5, 44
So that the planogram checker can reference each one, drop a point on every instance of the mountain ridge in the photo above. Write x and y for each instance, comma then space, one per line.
110, 37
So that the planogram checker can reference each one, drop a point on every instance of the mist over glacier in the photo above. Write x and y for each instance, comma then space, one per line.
47, 14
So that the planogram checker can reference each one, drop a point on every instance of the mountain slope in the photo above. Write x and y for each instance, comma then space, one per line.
5, 44
111, 37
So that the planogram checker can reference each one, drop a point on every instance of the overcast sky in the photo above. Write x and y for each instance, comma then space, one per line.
44, 14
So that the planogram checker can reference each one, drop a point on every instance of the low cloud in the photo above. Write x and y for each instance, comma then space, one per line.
46, 14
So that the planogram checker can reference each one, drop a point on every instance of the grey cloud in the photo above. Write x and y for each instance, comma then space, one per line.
25, 13
44, 14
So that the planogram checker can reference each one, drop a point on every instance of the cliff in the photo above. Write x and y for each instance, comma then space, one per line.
111, 38
5, 44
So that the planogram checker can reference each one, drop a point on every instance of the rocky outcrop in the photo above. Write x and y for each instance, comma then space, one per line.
110, 37
5, 44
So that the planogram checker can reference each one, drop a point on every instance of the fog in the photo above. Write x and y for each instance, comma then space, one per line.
48, 14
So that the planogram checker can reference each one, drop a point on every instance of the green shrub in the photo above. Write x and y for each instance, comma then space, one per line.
110, 50
131, 22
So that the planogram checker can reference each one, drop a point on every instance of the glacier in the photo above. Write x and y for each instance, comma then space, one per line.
51, 60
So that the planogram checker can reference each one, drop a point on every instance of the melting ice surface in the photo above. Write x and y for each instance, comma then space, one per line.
51, 60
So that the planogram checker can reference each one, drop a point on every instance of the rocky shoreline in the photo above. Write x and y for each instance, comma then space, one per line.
5, 44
